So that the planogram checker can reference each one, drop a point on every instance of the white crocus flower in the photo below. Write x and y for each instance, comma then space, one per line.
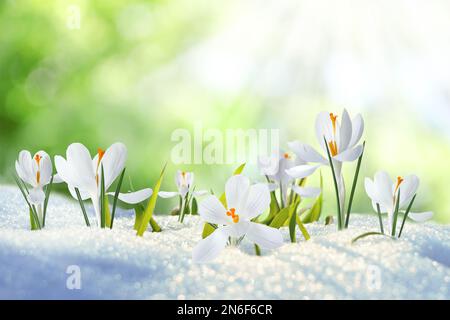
78, 170
341, 137
383, 191
244, 203
275, 168
37, 172
184, 182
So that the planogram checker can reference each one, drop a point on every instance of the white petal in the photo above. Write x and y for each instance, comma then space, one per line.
24, 167
210, 247
212, 210
258, 201
324, 128
306, 152
357, 130
134, 197
420, 216
83, 194
264, 236
408, 189
383, 189
306, 192
80, 164
345, 131
36, 196
302, 171
113, 162
237, 230
268, 165
167, 194
349, 155
273, 186
57, 178
236, 190
370, 190
64, 171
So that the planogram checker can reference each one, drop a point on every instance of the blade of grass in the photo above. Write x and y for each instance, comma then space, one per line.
102, 200
116, 196
367, 234
380, 220
257, 250
336, 188
394, 223
83, 209
48, 190
148, 213
406, 215
355, 181
23, 189
292, 222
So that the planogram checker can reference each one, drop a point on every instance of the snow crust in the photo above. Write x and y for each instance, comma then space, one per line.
115, 264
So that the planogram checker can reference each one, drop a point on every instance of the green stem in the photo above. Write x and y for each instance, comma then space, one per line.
379, 218
154, 225
406, 215
102, 200
335, 186
83, 209
355, 181
257, 250
48, 190
116, 196
394, 223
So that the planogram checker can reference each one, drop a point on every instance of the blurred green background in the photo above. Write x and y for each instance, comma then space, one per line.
134, 71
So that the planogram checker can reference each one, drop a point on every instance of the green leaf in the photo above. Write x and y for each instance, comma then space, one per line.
116, 196
23, 189
292, 223
302, 228
257, 250
394, 223
336, 188
316, 210
380, 220
155, 226
48, 190
208, 228
138, 216
83, 209
33, 223
280, 218
406, 215
102, 200
355, 181
148, 213
367, 234
194, 209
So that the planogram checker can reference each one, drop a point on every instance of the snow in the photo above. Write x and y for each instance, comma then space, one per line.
115, 264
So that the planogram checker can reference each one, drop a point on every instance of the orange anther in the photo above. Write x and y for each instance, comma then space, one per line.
38, 158
333, 148
236, 219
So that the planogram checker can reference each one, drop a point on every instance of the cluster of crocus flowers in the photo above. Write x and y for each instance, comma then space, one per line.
393, 198
84, 176
276, 169
339, 140
36, 177
186, 192
244, 203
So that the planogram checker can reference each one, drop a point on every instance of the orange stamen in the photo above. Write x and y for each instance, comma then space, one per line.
333, 121
333, 148
101, 153
286, 156
399, 182
236, 219
38, 158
